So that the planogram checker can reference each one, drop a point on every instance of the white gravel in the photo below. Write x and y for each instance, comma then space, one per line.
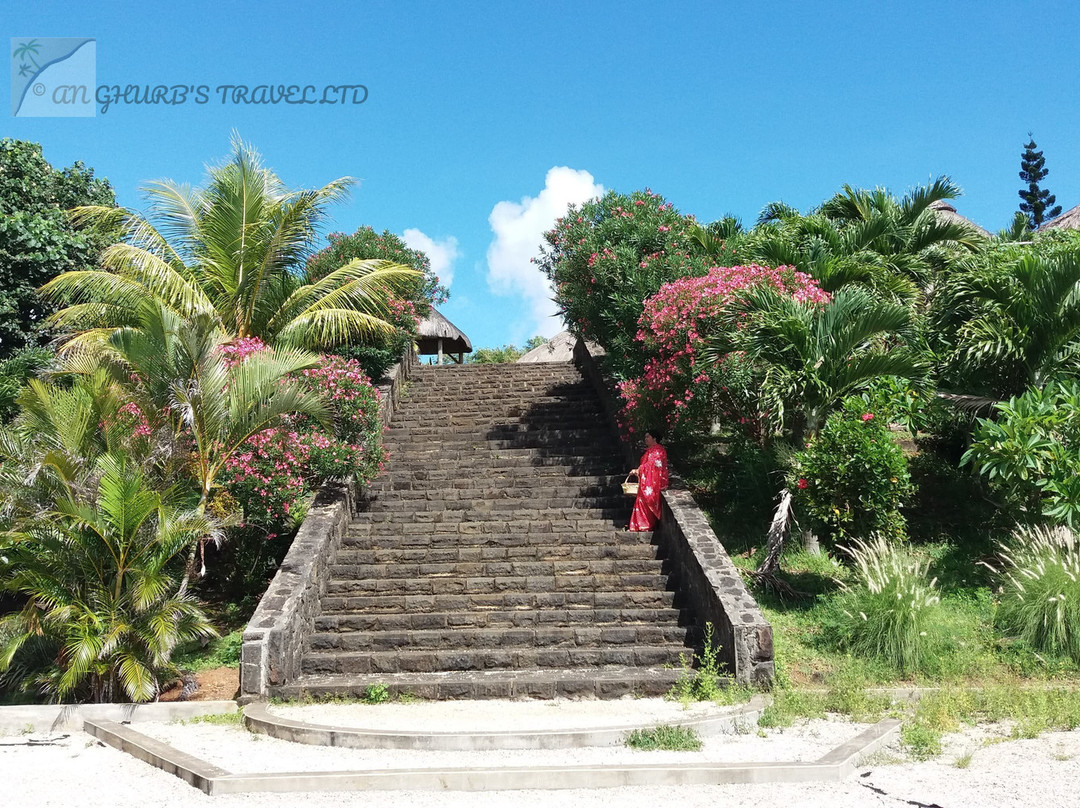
1038, 773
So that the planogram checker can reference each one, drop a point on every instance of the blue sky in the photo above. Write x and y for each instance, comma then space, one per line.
721, 107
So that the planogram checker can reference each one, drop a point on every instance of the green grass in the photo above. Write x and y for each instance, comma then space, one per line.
223, 652
218, 719
665, 737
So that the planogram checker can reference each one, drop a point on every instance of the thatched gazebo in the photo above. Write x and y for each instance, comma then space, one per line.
1069, 220
946, 212
559, 348
439, 337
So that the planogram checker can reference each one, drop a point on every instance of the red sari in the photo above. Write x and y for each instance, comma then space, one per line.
652, 479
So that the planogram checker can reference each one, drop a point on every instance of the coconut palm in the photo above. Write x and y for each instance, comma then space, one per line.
98, 579
235, 251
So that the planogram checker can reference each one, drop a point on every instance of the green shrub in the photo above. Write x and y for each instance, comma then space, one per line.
1040, 595
666, 737
890, 612
1031, 452
703, 683
852, 478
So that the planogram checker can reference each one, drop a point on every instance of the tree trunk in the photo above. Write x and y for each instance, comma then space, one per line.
778, 531
811, 543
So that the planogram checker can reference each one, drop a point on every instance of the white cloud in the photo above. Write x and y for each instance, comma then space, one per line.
442, 253
519, 229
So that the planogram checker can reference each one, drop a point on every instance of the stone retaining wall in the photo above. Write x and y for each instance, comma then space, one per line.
715, 587
273, 641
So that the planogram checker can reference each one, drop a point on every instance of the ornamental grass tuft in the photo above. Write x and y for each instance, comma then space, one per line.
1040, 589
890, 612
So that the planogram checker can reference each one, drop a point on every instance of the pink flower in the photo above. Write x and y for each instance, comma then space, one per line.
868, 416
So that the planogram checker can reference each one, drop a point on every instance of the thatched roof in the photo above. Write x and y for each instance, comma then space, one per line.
559, 348
947, 212
1069, 220
435, 327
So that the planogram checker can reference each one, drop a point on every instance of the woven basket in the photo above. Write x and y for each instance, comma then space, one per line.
630, 488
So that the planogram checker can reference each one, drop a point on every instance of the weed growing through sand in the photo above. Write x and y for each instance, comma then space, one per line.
220, 719
705, 682
376, 694
964, 760
664, 737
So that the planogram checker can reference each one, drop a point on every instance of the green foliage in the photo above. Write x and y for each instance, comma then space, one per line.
1011, 319
1040, 589
704, 681
414, 297
376, 694
891, 611
852, 478
814, 356
922, 742
96, 572
789, 705
37, 241
664, 737
221, 652
606, 256
1031, 452
503, 354
15, 372
1037, 202
866, 239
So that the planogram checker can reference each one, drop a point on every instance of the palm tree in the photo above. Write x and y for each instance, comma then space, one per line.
95, 573
1016, 322
235, 251
813, 356
810, 358
893, 247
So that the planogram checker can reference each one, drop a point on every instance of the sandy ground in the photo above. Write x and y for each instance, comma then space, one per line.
980, 767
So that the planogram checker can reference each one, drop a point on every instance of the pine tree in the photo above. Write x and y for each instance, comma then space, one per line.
1038, 203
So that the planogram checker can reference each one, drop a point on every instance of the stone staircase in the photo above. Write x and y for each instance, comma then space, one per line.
491, 560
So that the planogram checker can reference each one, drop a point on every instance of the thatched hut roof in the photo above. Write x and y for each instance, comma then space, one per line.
436, 327
559, 348
1069, 220
947, 212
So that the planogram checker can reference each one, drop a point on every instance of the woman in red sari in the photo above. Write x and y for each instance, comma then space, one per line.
652, 479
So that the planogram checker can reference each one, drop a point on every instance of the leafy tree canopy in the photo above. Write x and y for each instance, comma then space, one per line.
37, 241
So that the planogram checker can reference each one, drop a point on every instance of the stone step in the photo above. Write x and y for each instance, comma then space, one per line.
486, 659
513, 477
491, 487
351, 554
341, 569
415, 621
535, 520
370, 537
490, 584
600, 682
482, 503
501, 637
375, 604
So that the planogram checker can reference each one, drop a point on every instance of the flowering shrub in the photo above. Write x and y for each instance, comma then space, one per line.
676, 387
608, 255
278, 468
852, 478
